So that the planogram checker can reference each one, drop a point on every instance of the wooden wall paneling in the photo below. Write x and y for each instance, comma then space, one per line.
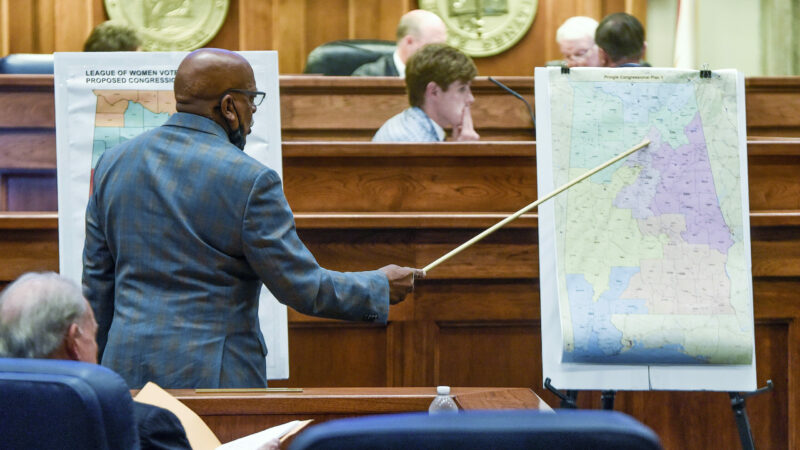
455, 301
793, 383
775, 251
19, 24
44, 36
404, 184
289, 35
39, 145
29, 243
30, 191
773, 348
5, 28
3, 192
771, 109
394, 352
353, 249
329, 21
337, 355
772, 177
228, 36
777, 302
633, 7
418, 360
75, 22
493, 259
257, 24
99, 14
487, 353
375, 19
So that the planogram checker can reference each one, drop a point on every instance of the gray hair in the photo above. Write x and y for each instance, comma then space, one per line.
576, 28
35, 312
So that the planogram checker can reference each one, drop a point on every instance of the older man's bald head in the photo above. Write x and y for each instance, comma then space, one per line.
205, 74
416, 29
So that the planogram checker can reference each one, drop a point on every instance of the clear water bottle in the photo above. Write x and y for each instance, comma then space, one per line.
443, 403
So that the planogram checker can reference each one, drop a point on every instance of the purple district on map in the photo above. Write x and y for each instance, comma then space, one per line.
679, 181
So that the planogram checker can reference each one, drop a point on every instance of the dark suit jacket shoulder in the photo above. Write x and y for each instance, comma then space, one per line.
159, 428
381, 67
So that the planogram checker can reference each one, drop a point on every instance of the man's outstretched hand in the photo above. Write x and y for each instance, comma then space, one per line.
401, 281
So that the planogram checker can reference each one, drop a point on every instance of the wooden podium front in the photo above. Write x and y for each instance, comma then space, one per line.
232, 415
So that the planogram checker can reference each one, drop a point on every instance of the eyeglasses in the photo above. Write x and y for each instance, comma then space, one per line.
256, 97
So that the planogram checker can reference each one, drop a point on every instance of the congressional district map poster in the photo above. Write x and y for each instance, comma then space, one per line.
645, 267
103, 99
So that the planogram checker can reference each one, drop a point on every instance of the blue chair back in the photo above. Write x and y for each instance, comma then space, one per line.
519, 429
344, 56
64, 405
27, 63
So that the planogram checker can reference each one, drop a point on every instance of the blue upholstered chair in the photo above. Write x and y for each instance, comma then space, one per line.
55, 404
344, 56
520, 429
27, 63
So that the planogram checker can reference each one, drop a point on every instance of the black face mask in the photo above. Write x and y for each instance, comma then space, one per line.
237, 136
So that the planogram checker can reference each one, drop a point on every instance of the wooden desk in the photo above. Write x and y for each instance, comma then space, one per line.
476, 320
233, 415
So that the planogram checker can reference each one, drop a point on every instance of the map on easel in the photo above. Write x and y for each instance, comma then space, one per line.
645, 267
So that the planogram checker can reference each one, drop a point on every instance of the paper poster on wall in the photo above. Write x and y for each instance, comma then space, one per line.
645, 267
106, 98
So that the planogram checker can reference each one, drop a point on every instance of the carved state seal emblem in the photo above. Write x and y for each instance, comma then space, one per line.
171, 25
484, 27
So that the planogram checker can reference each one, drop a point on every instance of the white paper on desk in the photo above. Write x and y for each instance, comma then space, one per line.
256, 440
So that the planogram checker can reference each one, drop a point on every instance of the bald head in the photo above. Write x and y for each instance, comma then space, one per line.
416, 29
205, 74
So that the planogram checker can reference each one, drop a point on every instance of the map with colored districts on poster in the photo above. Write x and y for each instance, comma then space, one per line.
652, 254
124, 114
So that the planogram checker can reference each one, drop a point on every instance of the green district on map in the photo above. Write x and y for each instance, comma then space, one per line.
123, 114
651, 254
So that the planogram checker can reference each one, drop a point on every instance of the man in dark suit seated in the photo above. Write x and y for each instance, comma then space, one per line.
416, 29
43, 315
620, 38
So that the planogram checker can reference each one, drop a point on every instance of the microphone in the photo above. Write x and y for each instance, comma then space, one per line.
515, 94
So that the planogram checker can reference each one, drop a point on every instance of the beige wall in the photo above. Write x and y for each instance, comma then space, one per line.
728, 34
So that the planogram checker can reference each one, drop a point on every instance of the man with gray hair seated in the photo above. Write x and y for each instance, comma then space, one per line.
575, 38
44, 315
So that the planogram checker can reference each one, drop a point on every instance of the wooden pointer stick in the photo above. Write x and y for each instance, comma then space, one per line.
522, 211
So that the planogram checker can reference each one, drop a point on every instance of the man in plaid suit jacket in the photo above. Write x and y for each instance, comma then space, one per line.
183, 227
